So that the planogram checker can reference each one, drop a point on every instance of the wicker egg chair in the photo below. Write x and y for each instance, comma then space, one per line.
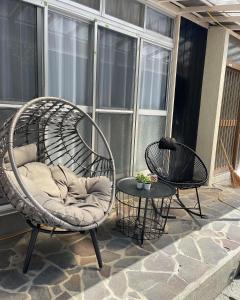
61, 134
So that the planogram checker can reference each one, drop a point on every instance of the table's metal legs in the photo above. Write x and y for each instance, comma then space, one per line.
139, 207
160, 211
144, 220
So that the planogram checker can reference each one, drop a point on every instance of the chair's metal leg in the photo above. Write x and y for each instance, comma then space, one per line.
34, 234
188, 210
199, 205
96, 247
167, 214
183, 206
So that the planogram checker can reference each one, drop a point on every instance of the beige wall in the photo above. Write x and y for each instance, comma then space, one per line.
211, 99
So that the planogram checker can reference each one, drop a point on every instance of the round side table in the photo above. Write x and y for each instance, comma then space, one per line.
142, 214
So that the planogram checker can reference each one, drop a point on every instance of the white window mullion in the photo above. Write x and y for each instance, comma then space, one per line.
74, 67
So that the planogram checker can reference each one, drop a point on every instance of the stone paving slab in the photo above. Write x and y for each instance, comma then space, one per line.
64, 267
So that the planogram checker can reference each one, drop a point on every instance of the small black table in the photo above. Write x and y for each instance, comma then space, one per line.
143, 214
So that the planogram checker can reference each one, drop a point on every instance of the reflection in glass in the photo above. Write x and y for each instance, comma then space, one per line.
116, 70
95, 4
118, 132
18, 51
130, 11
69, 71
159, 22
5, 113
154, 77
234, 50
150, 129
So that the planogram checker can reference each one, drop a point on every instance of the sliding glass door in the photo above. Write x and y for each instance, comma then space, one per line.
128, 99
152, 112
115, 93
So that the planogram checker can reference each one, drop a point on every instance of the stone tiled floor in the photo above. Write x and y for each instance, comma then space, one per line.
64, 267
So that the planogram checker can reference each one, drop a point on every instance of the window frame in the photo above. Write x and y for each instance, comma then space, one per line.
123, 111
148, 112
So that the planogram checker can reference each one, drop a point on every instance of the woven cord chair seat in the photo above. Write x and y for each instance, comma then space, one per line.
61, 134
181, 167
178, 165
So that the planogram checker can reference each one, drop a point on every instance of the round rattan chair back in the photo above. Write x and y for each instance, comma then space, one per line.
180, 166
63, 134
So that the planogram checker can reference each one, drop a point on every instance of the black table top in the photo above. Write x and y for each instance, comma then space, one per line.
158, 190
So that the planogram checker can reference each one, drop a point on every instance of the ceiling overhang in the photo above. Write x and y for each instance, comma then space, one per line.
225, 13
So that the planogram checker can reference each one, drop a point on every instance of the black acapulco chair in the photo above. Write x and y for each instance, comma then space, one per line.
53, 133
178, 165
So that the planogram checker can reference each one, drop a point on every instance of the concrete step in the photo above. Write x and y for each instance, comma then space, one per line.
223, 230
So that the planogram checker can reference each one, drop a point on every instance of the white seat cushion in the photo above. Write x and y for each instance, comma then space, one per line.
77, 200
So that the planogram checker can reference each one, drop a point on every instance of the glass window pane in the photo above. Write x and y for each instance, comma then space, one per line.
3, 199
130, 11
159, 22
150, 129
70, 65
95, 4
154, 77
5, 113
18, 51
116, 70
117, 130
234, 50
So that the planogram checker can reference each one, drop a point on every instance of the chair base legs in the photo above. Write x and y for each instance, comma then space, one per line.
190, 210
96, 247
33, 238
34, 234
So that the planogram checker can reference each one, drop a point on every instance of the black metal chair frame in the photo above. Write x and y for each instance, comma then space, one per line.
34, 234
195, 210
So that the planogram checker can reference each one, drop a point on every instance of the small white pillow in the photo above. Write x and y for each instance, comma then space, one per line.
41, 176
22, 155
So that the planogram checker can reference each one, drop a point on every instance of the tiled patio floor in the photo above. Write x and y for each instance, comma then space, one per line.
64, 267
